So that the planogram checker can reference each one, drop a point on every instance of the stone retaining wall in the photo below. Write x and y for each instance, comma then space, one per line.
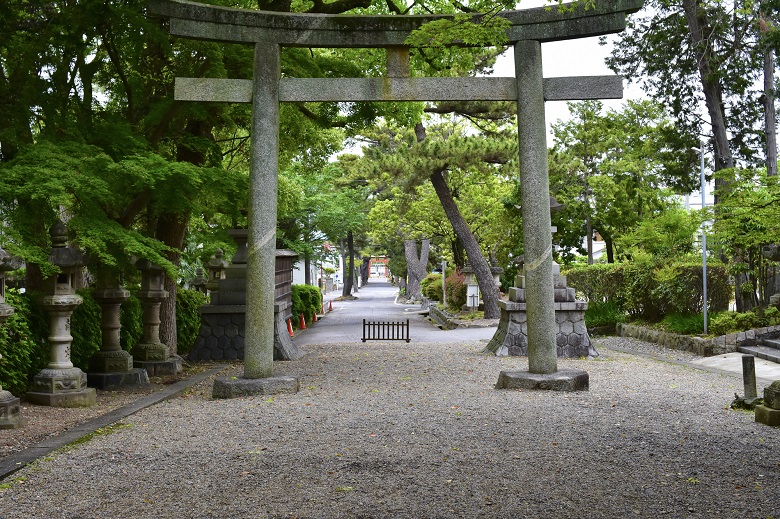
698, 345
441, 317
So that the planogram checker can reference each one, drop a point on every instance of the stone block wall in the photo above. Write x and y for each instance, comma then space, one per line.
705, 347
572, 339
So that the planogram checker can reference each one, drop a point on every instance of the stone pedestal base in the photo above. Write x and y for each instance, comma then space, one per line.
225, 387
151, 352
572, 340
135, 377
564, 380
10, 416
160, 368
767, 415
110, 362
61, 387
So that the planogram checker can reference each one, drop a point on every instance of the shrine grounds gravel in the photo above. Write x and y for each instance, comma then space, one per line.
417, 430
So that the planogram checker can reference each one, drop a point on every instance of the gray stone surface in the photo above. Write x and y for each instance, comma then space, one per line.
261, 260
537, 238
293, 29
563, 380
134, 377
772, 395
232, 387
10, 411
767, 416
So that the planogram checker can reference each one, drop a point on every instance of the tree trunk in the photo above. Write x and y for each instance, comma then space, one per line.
770, 124
364, 269
699, 30
349, 266
171, 229
487, 285
416, 268
307, 269
610, 251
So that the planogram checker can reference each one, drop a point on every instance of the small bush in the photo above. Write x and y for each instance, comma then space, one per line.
605, 314
456, 290
188, 318
306, 300
431, 287
85, 329
20, 348
685, 324
723, 323
131, 319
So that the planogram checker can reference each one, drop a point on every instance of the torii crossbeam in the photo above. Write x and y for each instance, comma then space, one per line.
269, 31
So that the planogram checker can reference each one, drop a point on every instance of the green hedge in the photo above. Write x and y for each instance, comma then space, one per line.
187, 318
651, 291
431, 287
306, 301
24, 345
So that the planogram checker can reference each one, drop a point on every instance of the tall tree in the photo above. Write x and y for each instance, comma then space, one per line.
614, 169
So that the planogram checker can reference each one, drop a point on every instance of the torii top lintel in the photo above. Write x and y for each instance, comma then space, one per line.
226, 24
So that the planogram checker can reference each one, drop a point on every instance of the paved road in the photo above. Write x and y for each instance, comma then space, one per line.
377, 301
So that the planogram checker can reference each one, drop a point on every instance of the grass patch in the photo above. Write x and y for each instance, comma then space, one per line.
103, 431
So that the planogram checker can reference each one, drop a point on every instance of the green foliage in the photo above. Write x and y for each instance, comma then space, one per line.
20, 348
306, 301
597, 283
187, 318
85, 329
461, 29
131, 319
604, 314
431, 287
456, 290
723, 323
615, 170
684, 324
666, 236
643, 289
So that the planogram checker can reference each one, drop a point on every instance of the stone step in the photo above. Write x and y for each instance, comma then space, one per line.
761, 352
772, 343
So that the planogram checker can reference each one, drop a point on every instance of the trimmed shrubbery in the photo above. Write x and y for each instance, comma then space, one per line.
648, 291
431, 287
187, 318
306, 301
456, 290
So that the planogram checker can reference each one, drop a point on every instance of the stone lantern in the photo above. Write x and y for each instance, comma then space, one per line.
10, 417
217, 267
151, 354
61, 384
199, 282
112, 366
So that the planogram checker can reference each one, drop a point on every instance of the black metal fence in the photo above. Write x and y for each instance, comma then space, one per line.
385, 331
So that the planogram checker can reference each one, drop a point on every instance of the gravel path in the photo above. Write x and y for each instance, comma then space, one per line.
417, 430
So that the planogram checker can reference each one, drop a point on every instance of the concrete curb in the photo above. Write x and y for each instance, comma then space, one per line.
709, 369
16, 461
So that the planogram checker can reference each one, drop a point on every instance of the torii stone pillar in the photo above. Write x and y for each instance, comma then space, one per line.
269, 31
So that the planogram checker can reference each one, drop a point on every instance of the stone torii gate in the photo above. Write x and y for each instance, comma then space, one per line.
270, 31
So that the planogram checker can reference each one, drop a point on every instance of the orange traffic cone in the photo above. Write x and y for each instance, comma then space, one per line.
303, 323
330, 305
323, 308
314, 317
289, 328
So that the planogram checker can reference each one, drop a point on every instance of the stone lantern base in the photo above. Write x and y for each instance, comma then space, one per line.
156, 360
10, 417
61, 388
114, 369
